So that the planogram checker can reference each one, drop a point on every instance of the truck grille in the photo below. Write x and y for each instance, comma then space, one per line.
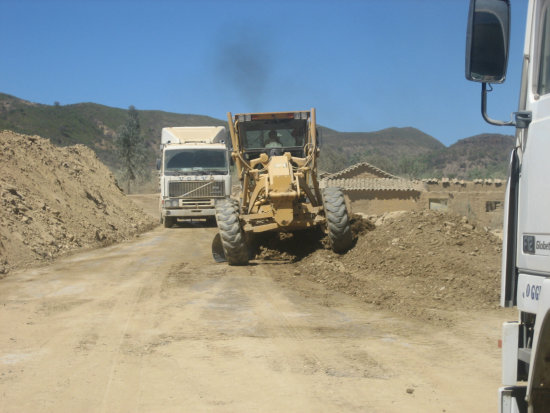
197, 189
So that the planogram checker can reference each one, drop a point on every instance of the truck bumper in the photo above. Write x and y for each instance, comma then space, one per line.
189, 213
511, 399
188, 208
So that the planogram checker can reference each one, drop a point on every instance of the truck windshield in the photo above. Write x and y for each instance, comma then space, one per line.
282, 133
195, 162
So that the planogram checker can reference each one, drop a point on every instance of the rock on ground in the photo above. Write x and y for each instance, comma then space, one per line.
55, 200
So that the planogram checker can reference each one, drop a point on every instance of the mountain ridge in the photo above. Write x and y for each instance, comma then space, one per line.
404, 151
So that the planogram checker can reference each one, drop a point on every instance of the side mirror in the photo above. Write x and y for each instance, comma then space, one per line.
487, 40
158, 164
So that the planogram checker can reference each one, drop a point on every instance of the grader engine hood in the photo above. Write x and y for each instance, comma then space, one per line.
281, 192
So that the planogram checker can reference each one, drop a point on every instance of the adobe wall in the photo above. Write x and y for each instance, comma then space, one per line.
481, 202
379, 202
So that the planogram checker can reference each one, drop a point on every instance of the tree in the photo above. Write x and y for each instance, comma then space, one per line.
131, 149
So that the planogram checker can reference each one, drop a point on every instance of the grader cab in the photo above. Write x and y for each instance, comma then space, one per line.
275, 155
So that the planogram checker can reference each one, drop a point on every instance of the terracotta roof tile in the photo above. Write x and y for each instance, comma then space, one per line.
367, 166
373, 184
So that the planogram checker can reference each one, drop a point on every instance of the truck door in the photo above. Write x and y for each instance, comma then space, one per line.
533, 240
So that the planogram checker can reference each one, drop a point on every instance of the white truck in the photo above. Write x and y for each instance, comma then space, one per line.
194, 172
526, 244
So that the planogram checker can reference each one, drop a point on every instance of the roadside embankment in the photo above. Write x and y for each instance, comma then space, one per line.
55, 200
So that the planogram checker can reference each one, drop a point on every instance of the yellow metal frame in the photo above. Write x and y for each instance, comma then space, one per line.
271, 197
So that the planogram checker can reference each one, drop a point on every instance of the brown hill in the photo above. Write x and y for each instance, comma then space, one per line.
381, 148
480, 156
411, 153
89, 124
401, 151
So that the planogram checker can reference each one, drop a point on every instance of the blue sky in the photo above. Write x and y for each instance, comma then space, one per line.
364, 65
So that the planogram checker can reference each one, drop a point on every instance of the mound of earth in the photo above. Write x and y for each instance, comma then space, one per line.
421, 264
55, 200
294, 246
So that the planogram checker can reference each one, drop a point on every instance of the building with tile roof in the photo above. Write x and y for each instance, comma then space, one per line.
372, 191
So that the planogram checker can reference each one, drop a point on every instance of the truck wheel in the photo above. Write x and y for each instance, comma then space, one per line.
169, 222
338, 224
232, 236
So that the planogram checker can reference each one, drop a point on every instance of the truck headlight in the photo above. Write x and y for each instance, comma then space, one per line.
171, 203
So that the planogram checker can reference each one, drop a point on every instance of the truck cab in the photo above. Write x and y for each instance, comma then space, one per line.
194, 172
526, 244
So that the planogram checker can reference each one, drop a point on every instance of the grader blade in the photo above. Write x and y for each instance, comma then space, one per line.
217, 249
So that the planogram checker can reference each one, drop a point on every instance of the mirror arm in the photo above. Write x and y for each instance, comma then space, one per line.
484, 92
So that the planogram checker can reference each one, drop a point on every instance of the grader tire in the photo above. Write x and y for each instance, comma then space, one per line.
235, 203
232, 236
169, 222
338, 223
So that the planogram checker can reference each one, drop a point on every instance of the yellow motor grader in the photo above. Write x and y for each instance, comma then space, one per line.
275, 155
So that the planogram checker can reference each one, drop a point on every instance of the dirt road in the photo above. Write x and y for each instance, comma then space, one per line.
153, 325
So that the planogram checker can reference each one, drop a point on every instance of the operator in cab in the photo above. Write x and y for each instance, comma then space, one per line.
273, 140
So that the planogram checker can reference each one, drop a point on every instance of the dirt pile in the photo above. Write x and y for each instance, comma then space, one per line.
294, 246
55, 200
421, 264
287, 247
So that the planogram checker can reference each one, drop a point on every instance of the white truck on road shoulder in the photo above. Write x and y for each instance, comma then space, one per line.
194, 172
526, 244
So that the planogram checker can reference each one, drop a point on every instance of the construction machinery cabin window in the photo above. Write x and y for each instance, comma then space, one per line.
289, 132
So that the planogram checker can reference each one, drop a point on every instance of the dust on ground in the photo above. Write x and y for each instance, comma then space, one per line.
55, 200
420, 264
